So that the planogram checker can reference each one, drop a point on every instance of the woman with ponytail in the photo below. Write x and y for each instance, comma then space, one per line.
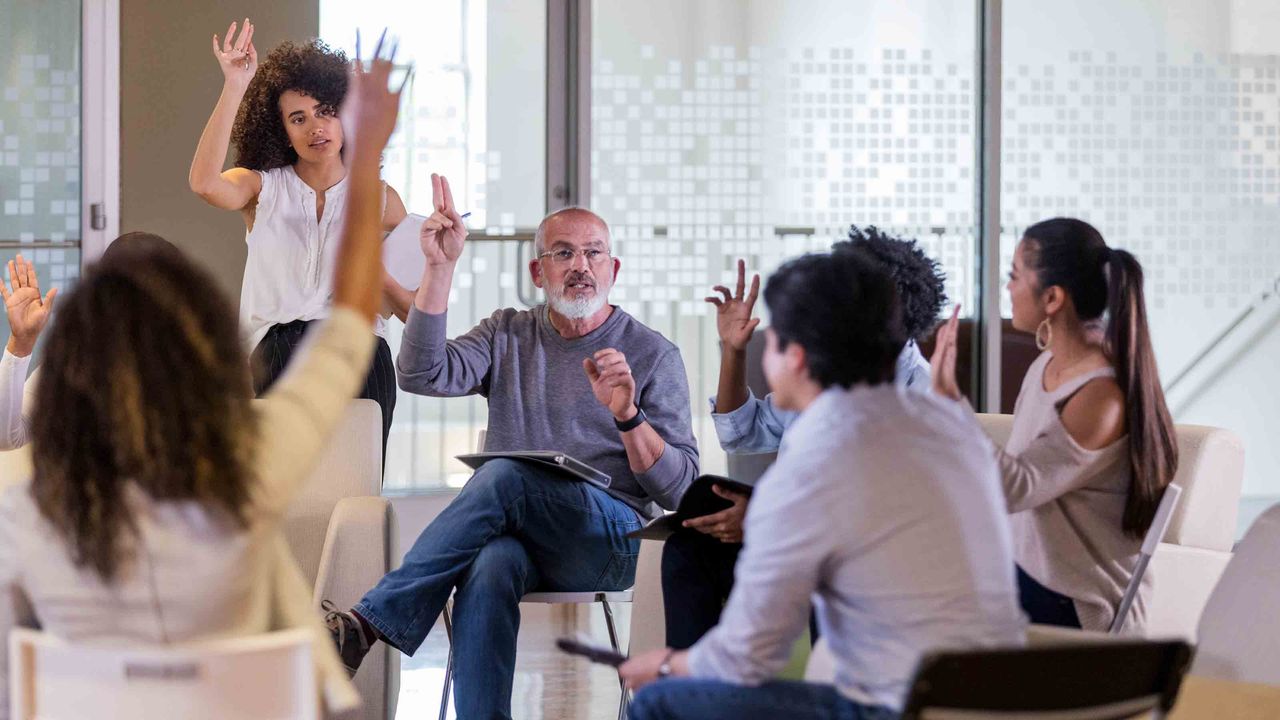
1092, 446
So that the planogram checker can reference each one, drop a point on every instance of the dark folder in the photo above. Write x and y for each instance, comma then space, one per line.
698, 500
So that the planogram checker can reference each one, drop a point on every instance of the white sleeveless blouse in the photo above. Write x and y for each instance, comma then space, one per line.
289, 272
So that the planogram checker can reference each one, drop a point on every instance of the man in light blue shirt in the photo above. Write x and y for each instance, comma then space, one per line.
698, 561
884, 507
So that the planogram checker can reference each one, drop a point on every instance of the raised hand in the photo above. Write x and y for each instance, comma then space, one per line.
733, 311
237, 58
370, 108
444, 233
942, 365
611, 382
28, 311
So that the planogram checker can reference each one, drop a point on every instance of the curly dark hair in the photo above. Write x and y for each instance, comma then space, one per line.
918, 277
311, 68
843, 309
144, 380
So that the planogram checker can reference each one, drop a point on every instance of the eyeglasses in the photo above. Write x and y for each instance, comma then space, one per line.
564, 256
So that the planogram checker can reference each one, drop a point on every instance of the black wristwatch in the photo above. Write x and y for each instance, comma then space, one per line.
633, 423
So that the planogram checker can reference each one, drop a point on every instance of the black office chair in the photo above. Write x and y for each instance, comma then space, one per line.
1087, 681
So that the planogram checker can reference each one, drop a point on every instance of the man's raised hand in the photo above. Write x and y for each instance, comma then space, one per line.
444, 233
733, 312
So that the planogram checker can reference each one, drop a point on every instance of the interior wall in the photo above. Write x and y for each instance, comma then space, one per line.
169, 82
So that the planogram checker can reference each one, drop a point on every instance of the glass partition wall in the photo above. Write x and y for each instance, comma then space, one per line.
1157, 122
712, 130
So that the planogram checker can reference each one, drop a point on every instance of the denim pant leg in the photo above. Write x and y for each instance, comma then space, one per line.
486, 620
679, 698
572, 538
575, 533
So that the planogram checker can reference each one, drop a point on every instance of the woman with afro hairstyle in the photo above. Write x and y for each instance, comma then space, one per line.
698, 560
290, 185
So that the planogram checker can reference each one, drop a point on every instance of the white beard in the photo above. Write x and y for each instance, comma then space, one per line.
579, 308
583, 307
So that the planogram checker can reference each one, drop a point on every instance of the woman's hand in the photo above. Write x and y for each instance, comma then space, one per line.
942, 365
733, 313
237, 58
370, 108
28, 312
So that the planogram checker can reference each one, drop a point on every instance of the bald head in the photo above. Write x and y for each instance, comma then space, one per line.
571, 222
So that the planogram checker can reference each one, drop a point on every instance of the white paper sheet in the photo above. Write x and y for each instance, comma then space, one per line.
402, 252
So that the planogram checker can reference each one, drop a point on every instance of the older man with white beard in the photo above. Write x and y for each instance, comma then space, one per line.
576, 375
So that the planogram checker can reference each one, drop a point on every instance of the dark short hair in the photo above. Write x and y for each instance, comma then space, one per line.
311, 68
140, 244
920, 281
843, 309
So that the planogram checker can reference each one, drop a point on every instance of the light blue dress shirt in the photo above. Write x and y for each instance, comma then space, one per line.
757, 426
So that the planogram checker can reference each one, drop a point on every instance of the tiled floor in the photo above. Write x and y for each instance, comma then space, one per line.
549, 685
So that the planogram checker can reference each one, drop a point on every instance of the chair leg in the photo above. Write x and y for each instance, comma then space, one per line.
613, 641
448, 666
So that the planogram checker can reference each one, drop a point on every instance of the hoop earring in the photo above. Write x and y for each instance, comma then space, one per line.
1044, 344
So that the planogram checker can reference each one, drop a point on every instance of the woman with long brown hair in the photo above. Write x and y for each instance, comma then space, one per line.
1093, 445
159, 488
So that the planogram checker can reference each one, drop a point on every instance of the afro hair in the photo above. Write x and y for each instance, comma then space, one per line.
919, 280
311, 68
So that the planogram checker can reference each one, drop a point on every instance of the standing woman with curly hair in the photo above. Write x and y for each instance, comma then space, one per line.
290, 185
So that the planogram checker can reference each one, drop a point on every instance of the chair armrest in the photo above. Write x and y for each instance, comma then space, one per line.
358, 550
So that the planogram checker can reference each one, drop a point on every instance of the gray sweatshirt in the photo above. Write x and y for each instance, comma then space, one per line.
540, 398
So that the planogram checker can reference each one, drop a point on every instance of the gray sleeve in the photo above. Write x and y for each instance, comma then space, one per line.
665, 401
429, 364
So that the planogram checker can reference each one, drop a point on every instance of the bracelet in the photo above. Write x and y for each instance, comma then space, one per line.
664, 670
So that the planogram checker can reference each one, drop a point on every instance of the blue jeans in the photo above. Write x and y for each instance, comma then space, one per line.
695, 698
513, 529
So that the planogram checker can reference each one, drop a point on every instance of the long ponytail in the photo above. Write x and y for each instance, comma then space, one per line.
1153, 445
1071, 253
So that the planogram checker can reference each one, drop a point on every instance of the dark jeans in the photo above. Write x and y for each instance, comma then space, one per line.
1044, 606
698, 699
513, 529
271, 357
697, 575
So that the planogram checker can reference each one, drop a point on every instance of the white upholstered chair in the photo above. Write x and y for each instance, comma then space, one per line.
1239, 636
269, 676
1198, 542
341, 530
